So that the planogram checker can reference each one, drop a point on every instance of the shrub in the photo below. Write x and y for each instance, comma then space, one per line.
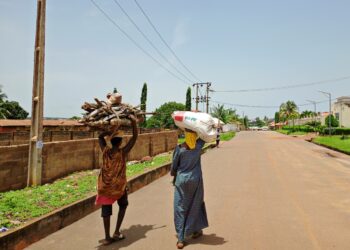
336, 131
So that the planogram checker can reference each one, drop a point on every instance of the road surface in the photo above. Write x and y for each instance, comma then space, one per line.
263, 190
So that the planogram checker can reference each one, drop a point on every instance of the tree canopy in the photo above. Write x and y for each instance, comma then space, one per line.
225, 115
10, 109
162, 117
289, 110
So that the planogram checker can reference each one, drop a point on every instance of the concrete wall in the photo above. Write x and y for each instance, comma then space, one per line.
63, 158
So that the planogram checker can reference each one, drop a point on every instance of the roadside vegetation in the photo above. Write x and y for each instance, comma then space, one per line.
17, 207
341, 143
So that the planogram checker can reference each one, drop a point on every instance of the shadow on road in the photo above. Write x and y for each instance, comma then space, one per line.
132, 234
208, 239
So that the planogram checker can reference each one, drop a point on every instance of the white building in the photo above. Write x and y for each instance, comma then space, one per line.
341, 110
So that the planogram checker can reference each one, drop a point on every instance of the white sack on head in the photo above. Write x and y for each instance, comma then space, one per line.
201, 123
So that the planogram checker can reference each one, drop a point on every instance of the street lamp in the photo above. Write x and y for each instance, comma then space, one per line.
330, 107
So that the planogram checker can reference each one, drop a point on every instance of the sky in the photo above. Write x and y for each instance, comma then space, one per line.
232, 44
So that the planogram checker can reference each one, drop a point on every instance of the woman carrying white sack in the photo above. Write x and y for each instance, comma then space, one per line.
190, 215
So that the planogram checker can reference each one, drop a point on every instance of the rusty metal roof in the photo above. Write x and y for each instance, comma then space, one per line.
26, 123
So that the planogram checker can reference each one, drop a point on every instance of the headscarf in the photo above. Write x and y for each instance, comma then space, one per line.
190, 139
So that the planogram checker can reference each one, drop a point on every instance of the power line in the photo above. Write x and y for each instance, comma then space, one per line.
165, 43
134, 42
287, 86
262, 106
149, 41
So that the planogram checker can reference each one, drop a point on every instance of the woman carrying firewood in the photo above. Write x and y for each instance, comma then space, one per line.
111, 185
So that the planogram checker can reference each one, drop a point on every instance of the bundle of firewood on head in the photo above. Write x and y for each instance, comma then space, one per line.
111, 114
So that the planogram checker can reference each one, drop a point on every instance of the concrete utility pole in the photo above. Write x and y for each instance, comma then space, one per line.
36, 129
202, 98
330, 110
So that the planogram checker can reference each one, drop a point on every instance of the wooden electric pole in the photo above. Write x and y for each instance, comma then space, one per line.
36, 129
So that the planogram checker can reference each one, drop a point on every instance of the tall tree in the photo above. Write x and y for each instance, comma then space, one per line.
289, 110
3, 96
225, 115
188, 99
162, 117
3, 111
115, 90
144, 97
277, 117
15, 111
246, 122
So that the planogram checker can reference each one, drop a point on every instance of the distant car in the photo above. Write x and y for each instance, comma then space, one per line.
265, 128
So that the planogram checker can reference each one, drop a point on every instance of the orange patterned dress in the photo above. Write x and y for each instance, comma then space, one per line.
112, 180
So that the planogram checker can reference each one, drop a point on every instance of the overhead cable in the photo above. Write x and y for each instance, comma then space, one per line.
149, 41
262, 106
286, 86
165, 43
134, 42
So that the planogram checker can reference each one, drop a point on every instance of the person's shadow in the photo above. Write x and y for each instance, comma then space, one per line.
133, 234
208, 239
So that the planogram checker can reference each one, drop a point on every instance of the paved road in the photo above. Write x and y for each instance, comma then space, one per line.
263, 190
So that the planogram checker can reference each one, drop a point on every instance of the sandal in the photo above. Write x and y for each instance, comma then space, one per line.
118, 237
106, 242
198, 234
180, 244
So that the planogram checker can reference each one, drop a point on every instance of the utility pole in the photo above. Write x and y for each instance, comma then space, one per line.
330, 110
202, 98
36, 129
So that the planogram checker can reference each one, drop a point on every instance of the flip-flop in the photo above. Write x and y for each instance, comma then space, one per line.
118, 237
105, 242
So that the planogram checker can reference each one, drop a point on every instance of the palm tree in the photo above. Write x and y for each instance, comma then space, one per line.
289, 110
3, 96
225, 115
3, 111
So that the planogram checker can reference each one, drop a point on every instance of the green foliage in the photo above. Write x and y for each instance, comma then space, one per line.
277, 117
307, 113
22, 205
115, 90
144, 97
227, 136
3, 96
336, 131
188, 99
74, 117
288, 110
246, 122
162, 117
10, 109
258, 122
334, 121
225, 115
14, 110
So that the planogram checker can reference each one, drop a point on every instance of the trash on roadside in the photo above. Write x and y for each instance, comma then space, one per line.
3, 229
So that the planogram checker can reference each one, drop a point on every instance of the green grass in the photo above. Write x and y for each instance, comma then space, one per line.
22, 205
227, 136
286, 132
334, 142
